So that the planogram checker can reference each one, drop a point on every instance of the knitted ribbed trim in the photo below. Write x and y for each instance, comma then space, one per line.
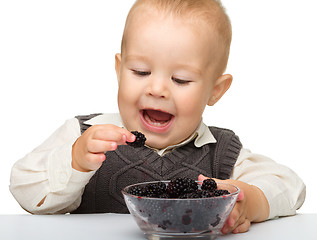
83, 118
226, 153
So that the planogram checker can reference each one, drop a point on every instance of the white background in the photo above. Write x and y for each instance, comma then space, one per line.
57, 61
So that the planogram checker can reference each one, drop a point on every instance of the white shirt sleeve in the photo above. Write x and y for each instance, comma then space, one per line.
284, 190
47, 173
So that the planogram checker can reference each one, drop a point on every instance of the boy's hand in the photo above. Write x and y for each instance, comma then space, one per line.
89, 150
251, 206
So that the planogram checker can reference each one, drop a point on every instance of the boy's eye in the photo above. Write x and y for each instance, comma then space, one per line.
180, 81
141, 73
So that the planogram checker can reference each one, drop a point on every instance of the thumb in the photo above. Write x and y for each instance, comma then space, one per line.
240, 195
202, 177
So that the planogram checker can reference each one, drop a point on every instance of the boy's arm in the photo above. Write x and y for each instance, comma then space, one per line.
41, 177
268, 190
282, 187
251, 206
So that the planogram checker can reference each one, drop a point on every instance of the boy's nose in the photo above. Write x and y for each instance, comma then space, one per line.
158, 88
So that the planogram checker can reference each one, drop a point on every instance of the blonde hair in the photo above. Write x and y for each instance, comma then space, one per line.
211, 12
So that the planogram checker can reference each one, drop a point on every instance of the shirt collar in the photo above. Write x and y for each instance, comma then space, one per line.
106, 118
202, 134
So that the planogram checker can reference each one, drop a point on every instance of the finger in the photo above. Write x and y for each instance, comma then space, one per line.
93, 160
244, 227
108, 134
114, 133
229, 225
240, 195
99, 146
234, 219
202, 177
130, 137
231, 221
225, 229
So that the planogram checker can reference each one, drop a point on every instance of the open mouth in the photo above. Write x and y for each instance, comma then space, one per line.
156, 120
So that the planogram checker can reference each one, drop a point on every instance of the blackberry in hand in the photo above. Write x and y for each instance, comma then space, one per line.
209, 184
139, 139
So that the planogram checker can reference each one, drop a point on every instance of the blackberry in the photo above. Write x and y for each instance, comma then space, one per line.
155, 189
139, 140
209, 184
137, 190
180, 186
220, 192
190, 195
163, 195
206, 194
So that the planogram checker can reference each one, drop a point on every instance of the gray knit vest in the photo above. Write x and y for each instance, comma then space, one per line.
127, 165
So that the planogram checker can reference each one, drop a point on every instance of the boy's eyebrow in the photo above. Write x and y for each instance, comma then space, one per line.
183, 66
190, 68
136, 57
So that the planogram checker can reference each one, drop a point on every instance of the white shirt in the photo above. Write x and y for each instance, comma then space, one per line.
47, 172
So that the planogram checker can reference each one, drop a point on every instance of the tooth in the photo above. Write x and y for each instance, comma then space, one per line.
153, 122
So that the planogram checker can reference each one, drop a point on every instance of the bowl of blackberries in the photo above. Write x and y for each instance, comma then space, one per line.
181, 208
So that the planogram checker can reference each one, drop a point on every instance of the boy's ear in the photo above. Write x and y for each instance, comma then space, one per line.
117, 65
222, 84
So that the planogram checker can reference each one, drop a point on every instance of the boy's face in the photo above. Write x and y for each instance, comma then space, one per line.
166, 74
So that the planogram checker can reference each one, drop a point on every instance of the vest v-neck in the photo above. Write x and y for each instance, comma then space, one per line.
165, 164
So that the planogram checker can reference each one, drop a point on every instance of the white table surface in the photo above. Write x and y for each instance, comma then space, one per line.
123, 227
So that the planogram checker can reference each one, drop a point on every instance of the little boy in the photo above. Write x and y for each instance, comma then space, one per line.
173, 56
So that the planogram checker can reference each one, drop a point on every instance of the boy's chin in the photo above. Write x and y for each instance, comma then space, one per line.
161, 141
157, 143
156, 146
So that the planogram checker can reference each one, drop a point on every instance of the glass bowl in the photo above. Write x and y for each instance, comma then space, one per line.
166, 218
